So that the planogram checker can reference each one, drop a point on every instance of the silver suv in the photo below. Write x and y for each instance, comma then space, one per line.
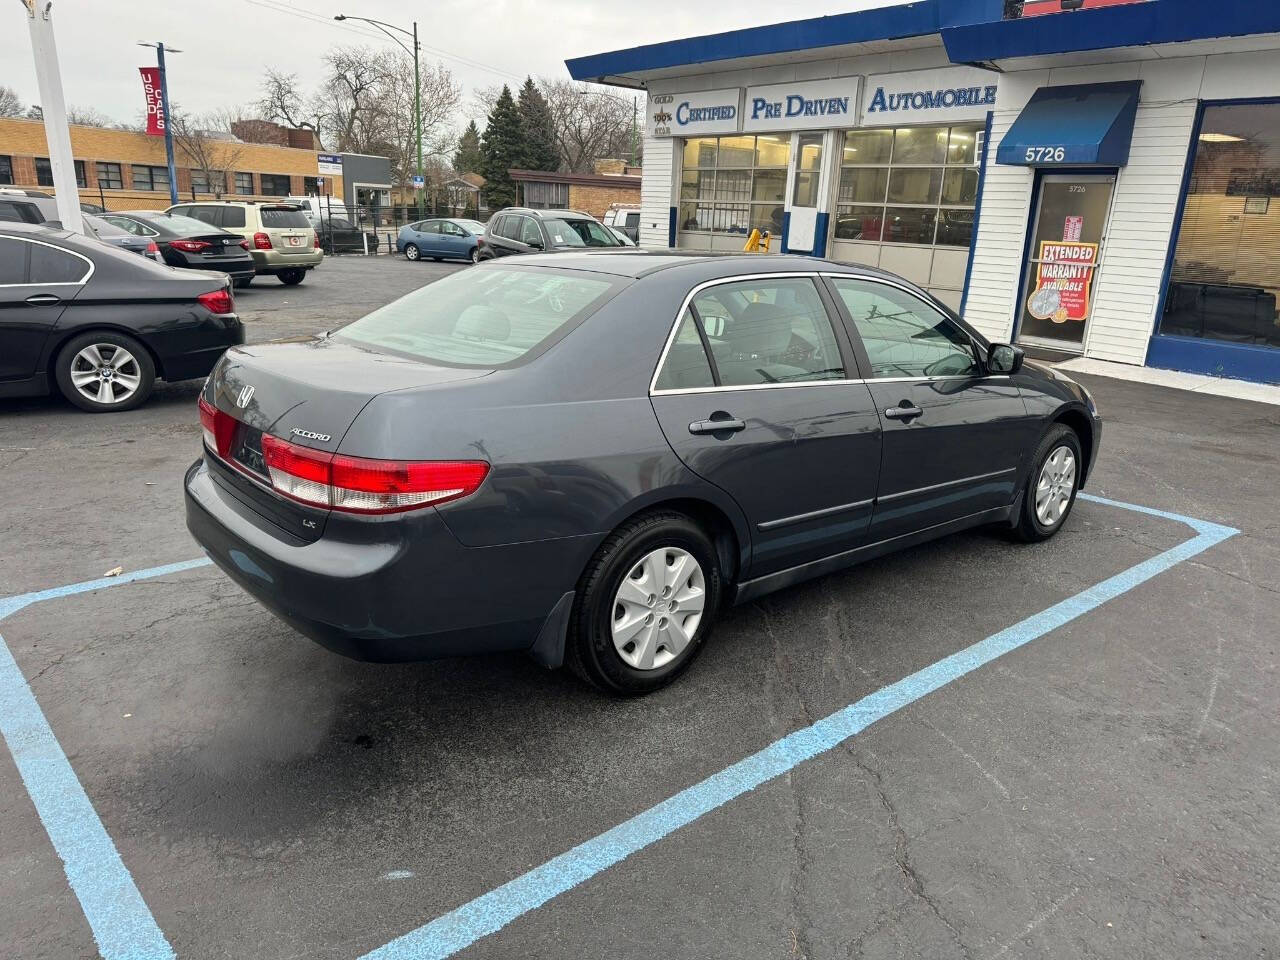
280, 237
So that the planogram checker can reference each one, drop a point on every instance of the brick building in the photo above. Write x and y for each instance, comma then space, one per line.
593, 193
123, 169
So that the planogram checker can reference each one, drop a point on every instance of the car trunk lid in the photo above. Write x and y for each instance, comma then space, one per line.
307, 391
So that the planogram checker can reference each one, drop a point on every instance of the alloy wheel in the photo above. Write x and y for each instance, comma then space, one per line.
657, 608
1056, 486
411, 252
106, 373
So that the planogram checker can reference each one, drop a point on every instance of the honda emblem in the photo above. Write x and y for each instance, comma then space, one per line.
245, 396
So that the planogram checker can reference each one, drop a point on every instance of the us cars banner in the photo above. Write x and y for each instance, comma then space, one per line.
155, 103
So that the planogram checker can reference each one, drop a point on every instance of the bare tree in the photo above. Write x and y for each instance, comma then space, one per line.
88, 117
10, 105
587, 126
440, 94
208, 147
350, 103
282, 100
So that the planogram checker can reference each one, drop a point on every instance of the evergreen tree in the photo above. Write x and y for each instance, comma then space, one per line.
501, 150
537, 128
468, 157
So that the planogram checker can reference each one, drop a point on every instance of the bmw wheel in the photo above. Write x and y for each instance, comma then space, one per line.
1052, 484
105, 371
411, 251
645, 605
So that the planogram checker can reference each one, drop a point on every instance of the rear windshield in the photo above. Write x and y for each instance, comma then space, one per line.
579, 233
486, 317
275, 217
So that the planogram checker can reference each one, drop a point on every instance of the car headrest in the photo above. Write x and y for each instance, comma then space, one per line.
479, 322
762, 331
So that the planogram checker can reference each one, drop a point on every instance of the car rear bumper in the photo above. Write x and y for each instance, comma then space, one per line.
273, 261
192, 352
383, 589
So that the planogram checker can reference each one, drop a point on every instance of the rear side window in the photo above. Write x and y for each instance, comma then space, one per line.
13, 261
429, 226
53, 265
231, 217
768, 331
483, 318
633, 220
275, 217
209, 215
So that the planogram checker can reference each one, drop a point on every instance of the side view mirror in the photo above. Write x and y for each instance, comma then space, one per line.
535, 244
1004, 358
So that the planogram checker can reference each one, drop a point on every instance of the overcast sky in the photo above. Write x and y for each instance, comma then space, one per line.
228, 44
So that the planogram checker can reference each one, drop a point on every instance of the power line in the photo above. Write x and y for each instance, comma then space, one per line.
278, 6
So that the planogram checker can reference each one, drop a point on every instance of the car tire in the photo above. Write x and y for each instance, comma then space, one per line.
292, 276
629, 633
411, 252
1051, 486
475, 254
133, 372
242, 282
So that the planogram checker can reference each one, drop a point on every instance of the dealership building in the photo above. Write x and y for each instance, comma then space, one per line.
1101, 180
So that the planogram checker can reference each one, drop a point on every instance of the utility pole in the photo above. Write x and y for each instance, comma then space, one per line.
54, 105
168, 119
417, 84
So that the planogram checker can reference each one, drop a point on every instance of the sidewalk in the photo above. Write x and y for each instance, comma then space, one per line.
1195, 382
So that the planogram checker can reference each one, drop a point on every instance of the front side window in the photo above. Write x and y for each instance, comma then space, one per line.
1225, 281
903, 335
483, 318
760, 332
579, 233
529, 232
916, 185
109, 176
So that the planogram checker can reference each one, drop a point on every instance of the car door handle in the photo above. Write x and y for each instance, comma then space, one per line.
907, 411
43, 300
727, 425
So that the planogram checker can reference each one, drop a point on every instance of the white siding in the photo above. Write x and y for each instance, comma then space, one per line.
657, 192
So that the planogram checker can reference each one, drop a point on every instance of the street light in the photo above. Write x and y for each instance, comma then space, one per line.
417, 83
168, 120
635, 105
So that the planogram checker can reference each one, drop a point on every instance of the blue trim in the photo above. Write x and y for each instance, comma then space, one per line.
1130, 25
820, 235
922, 18
490, 912
671, 228
1217, 358
786, 232
977, 211
1089, 123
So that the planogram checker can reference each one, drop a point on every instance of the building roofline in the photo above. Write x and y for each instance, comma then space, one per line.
903, 21
1136, 24
584, 179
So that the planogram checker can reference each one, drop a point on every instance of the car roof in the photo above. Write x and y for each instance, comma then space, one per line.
636, 263
560, 214
38, 231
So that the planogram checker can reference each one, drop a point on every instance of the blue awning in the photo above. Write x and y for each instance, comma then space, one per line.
1085, 125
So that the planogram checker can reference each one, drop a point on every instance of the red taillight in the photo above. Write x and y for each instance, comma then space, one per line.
218, 428
189, 246
261, 241
359, 485
152, 249
244, 244
218, 301
317, 243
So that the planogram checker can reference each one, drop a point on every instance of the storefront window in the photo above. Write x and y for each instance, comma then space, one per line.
1226, 267
732, 185
915, 185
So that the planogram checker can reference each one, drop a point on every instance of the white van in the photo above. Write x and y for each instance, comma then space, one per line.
625, 219
323, 207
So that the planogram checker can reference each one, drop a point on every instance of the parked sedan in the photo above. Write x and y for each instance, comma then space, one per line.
587, 456
441, 239
188, 242
101, 325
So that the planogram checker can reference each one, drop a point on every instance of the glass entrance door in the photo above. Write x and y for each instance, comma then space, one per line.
1066, 255
805, 176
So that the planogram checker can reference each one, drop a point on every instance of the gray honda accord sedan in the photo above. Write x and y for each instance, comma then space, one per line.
588, 456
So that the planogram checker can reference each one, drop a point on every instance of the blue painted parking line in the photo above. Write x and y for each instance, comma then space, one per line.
122, 925
460, 928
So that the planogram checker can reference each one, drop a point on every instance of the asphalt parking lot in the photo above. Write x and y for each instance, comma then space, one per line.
1106, 789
